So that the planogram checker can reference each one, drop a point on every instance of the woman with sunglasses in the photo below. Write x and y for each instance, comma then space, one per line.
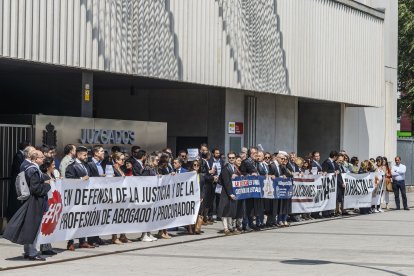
196, 228
118, 159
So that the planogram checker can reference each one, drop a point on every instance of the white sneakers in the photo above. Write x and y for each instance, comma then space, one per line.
147, 237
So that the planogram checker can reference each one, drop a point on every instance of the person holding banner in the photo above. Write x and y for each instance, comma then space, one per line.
24, 225
200, 218
340, 187
284, 205
272, 209
329, 166
96, 170
316, 158
248, 167
118, 159
150, 169
263, 170
227, 209
398, 180
164, 169
79, 169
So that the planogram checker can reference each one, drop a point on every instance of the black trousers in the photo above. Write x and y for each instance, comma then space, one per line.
397, 187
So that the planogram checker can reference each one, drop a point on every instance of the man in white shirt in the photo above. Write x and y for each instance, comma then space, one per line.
398, 183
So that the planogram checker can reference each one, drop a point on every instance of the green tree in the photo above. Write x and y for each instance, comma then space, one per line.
406, 55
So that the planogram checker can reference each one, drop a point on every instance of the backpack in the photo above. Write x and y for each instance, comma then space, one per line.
22, 188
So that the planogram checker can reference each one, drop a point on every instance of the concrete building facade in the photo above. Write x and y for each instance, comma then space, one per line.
300, 75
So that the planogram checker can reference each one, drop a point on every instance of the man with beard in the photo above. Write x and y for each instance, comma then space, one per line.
79, 169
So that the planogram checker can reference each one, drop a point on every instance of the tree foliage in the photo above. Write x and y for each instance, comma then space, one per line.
406, 53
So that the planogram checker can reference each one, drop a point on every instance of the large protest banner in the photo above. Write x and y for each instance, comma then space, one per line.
103, 206
314, 193
358, 190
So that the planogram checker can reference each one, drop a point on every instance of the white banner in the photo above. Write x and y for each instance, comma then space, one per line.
378, 186
314, 193
104, 206
358, 190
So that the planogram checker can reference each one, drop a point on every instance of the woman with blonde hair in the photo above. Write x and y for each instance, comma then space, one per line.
365, 167
150, 169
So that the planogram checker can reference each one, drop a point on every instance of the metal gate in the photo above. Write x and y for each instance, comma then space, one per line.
10, 137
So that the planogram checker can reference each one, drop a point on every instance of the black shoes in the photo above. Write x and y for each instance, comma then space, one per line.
34, 258
49, 252
407, 209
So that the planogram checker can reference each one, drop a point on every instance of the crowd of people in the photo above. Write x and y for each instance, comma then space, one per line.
215, 172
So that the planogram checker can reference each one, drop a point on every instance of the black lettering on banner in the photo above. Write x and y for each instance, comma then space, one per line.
138, 215
174, 210
80, 219
67, 197
134, 198
189, 188
106, 214
357, 186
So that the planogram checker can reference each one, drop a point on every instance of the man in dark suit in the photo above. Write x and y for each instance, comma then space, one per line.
316, 158
248, 167
329, 166
263, 170
13, 203
137, 160
177, 164
291, 165
95, 165
96, 169
217, 163
79, 169
208, 174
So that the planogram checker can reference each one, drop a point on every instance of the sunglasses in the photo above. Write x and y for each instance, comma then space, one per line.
231, 158
195, 165
267, 157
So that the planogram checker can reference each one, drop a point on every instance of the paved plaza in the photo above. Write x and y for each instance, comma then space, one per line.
378, 244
